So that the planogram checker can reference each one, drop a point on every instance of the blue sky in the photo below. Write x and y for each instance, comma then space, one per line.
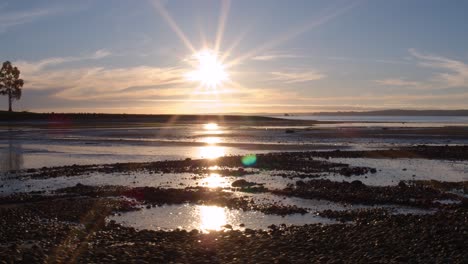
281, 56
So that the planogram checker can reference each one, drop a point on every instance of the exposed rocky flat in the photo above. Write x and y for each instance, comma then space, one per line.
72, 224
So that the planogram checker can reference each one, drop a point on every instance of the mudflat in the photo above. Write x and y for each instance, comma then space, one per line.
412, 220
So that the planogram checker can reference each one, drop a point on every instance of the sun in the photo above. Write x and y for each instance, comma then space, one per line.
209, 70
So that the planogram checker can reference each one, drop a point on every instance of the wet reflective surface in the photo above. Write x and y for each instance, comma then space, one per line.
11, 156
206, 218
214, 180
390, 172
35, 148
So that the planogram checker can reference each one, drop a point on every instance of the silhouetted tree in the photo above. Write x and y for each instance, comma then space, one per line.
10, 83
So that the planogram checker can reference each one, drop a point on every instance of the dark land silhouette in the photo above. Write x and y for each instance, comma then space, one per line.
397, 112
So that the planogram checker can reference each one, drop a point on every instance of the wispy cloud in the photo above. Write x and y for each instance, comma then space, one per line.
274, 56
123, 84
296, 76
10, 19
448, 73
333, 13
455, 72
30, 67
94, 82
99, 82
367, 60
391, 99
273, 99
399, 82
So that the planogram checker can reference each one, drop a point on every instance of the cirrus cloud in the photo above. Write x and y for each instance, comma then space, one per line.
454, 73
399, 82
97, 82
447, 73
296, 76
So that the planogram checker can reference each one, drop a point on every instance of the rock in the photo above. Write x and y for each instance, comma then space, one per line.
357, 183
242, 183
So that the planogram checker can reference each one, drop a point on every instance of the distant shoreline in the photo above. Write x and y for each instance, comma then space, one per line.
391, 112
93, 119
31, 118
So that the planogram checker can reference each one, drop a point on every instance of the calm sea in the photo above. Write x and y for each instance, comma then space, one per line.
399, 119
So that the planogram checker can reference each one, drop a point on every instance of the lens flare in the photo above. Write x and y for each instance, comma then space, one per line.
249, 160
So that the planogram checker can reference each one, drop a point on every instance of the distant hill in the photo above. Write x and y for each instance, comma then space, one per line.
397, 112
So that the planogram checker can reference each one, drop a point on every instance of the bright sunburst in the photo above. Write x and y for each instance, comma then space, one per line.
209, 71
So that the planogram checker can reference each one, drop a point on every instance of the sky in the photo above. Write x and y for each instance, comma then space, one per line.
120, 56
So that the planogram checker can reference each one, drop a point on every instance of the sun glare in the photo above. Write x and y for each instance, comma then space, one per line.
211, 152
212, 140
209, 70
214, 181
212, 217
211, 126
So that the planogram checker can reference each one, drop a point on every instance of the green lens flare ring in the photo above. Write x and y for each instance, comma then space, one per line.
249, 160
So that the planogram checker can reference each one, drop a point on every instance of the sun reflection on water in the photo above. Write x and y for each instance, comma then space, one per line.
212, 152
214, 181
212, 217
211, 126
211, 140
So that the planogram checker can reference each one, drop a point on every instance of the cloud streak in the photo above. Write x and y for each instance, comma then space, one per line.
274, 56
139, 86
98, 82
297, 31
30, 67
10, 19
448, 73
455, 72
399, 82
296, 76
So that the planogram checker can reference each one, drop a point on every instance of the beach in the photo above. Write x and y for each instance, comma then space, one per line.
233, 190
220, 131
